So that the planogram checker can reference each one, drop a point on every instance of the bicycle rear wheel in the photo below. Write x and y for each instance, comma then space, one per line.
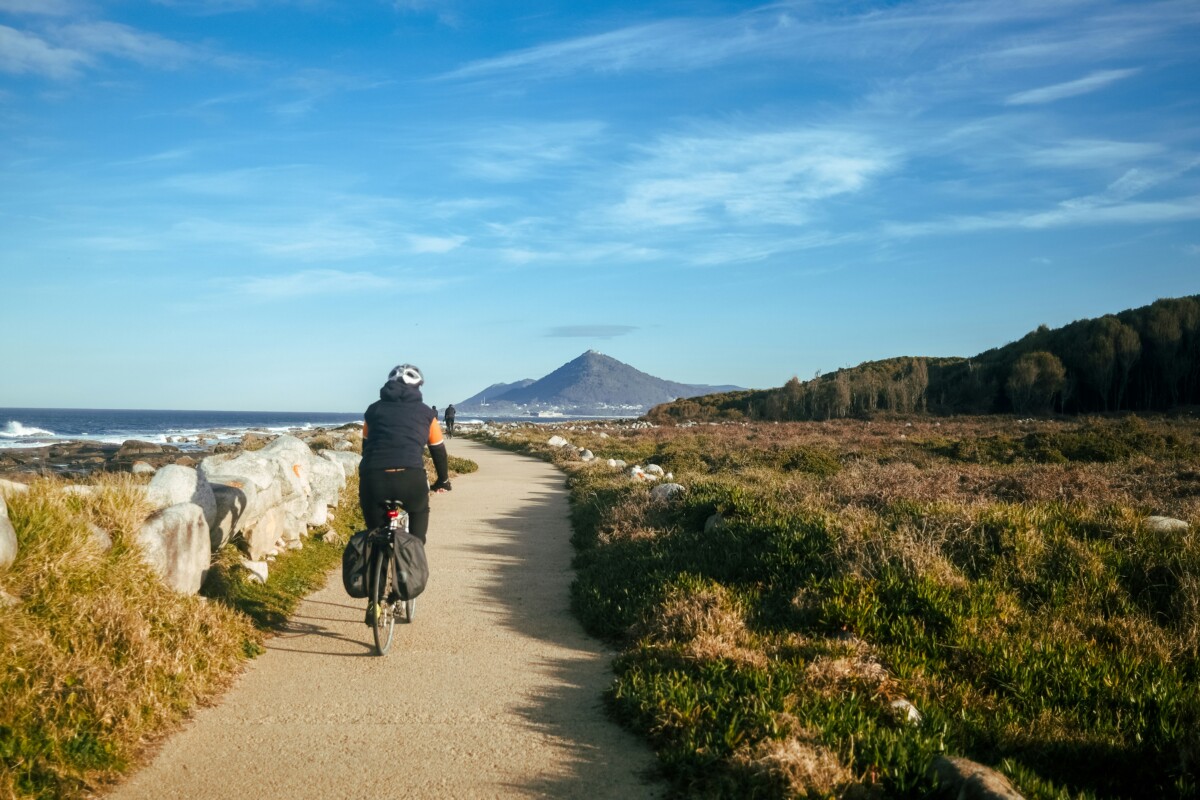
383, 618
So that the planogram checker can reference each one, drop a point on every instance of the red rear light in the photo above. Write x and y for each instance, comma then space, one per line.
393, 513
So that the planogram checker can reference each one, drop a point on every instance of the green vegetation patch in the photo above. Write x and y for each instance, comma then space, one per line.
776, 619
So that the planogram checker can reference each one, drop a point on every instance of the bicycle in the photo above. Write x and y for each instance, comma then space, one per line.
383, 588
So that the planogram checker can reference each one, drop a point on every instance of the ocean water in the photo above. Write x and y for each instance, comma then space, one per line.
36, 427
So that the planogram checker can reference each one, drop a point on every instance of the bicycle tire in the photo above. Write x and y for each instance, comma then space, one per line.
383, 623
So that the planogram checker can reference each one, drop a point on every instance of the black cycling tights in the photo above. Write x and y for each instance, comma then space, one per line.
409, 486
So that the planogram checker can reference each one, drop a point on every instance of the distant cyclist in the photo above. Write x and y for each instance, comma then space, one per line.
449, 417
396, 430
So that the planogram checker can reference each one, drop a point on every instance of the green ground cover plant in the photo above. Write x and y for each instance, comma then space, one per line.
996, 574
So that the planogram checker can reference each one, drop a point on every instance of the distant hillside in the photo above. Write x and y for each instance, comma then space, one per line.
593, 383
1145, 358
495, 390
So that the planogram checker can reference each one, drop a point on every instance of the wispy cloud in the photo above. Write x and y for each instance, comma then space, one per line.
22, 53
1016, 33
519, 152
590, 331
1060, 91
1077, 213
49, 8
748, 176
435, 244
1090, 153
313, 282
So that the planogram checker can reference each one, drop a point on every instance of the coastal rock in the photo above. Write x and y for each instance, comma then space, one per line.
654, 469
133, 448
327, 481
156, 455
587, 455
962, 779
715, 522
8, 537
261, 538
1164, 525
175, 484
348, 461
255, 441
175, 542
258, 570
666, 491
556, 441
232, 500
11, 487
253, 474
906, 711
142, 468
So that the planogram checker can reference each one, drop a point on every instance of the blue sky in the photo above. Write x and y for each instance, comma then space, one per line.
264, 204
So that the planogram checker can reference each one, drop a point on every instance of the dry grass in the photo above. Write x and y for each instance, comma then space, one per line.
98, 656
707, 624
796, 766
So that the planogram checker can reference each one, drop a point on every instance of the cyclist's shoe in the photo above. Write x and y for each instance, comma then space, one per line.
393, 597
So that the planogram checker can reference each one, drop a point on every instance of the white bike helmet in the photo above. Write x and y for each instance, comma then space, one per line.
407, 374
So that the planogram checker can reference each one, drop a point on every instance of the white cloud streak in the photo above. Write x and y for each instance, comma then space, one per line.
22, 53
48, 8
747, 177
1060, 91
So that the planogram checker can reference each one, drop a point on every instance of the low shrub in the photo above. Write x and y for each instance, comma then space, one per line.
813, 575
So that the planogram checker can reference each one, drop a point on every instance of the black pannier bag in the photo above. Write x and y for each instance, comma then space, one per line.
354, 565
412, 569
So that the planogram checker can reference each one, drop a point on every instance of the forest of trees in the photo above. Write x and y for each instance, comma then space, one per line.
1143, 359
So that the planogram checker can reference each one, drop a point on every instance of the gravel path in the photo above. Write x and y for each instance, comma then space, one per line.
494, 690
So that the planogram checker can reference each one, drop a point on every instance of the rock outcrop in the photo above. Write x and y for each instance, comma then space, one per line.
175, 541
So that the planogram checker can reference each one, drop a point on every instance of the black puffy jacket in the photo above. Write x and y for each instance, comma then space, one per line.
398, 427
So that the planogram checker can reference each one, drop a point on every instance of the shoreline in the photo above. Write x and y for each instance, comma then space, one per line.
78, 458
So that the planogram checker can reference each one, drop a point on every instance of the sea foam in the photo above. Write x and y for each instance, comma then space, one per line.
15, 430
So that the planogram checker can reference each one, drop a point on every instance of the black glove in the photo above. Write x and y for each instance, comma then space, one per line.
440, 485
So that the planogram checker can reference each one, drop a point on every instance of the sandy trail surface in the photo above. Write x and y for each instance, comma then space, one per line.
493, 691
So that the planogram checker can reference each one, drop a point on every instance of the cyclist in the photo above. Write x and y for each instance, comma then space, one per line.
396, 430
449, 417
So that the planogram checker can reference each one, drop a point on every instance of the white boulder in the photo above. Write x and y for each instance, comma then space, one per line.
556, 441
142, 468
587, 455
175, 484
258, 570
267, 530
175, 541
906, 711
11, 487
654, 469
348, 461
328, 480
232, 499
8, 537
666, 491
1164, 525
